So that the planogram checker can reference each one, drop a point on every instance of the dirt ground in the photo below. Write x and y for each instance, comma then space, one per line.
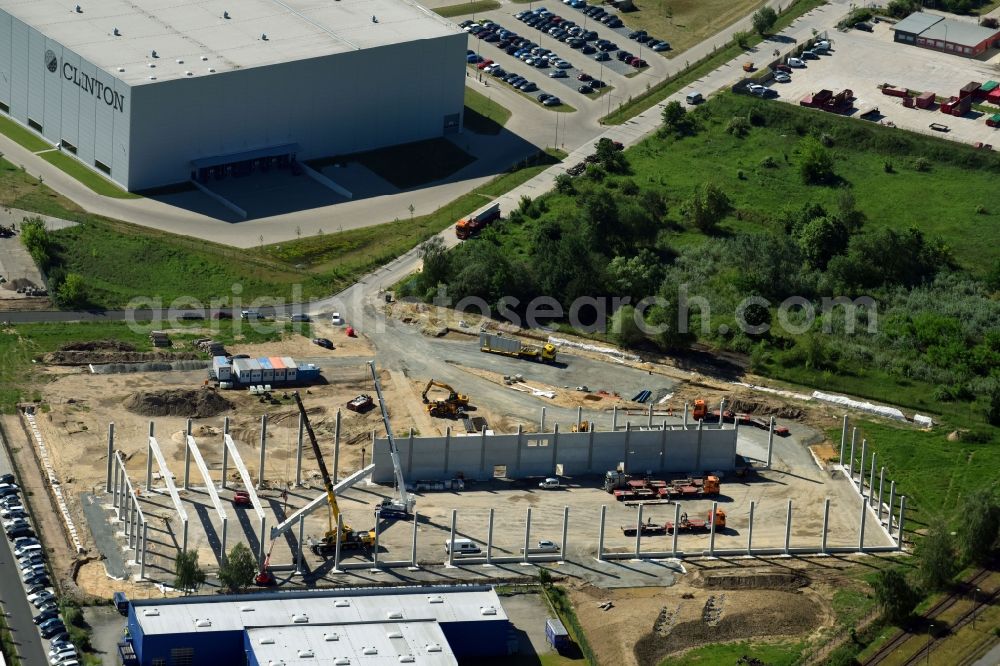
723, 602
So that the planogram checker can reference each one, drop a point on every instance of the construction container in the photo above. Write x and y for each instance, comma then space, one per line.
223, 368
893, 91
993, 121
556, 634
278, 367
291, 370
909, 102
307, 372
266, 371
946, 107
925, 100
985, 90
994, 96
962, 106
970, 88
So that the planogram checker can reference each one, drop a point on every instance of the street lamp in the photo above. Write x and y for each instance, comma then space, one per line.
930, 633
975, 603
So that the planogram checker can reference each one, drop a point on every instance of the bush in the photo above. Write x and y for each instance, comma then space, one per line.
817, 163
769, 163
738, 126
922, 164
764, 20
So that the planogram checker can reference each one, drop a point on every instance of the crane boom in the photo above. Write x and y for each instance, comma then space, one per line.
331, 498
404, 506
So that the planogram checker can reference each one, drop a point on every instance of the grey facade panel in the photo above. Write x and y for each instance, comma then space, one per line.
6, 62
19, 73
667, 452
36, 76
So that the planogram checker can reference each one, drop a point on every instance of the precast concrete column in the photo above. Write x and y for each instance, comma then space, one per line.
649, 416
451, 543
225, 451
770, 442
850, 463
861, 467
899, 527
299, 546
638, 532
378, 524
187, 455
336, 550
600, 533
555, 446
843, 439
142, 556
520, 443
115, 483
527, 535
711, 534
127, 515
149, 459
697, 455
262, 555
628, 444
489, 538
871, 479
579, 418
826, 525
541, 421
263, 451
685, 415
413, 543
673, 537
111, 451
565, 532
336, 448
298, 451
861, 531
614, 418
892, 503
750, 529
881, 485
788, 528
184, 537
222, 544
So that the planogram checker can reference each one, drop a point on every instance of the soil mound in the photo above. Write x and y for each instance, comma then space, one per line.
760, 408
755, 581
104, 356
193, 403
99, 345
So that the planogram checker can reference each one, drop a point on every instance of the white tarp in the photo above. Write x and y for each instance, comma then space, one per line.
782, 393
871, 408
608, 351
920, 419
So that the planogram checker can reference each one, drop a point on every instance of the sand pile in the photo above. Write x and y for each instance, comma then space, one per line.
193, 403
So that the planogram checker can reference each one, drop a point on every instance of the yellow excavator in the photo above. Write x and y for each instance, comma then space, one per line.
451, 407
349, 538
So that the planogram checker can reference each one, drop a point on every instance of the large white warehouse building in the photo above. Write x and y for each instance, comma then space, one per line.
156, 92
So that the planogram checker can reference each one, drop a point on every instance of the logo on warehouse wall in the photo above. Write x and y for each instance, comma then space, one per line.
51, 62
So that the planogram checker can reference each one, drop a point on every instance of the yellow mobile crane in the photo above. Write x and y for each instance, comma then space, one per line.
451, 407
349, 538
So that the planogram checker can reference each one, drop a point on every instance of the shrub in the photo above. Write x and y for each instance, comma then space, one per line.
738, 126
922, 164
769, 162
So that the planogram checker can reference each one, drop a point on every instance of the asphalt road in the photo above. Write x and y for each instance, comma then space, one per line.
15, 603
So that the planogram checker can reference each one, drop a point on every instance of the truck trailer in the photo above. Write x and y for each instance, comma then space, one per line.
496, 344
476, 222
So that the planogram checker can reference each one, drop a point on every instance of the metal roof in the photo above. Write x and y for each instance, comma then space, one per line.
963, 33
917, 22
193, 37
234, 613
372, 644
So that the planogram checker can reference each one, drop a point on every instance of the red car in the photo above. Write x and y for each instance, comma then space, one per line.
484, 64
583, 76
638, 63
241, 498
783, 68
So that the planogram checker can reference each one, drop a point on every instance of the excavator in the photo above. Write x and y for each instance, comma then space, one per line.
451, 407
349, 538
401, 507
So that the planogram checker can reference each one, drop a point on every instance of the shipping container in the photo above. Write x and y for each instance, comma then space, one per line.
556, 634
970, 88
925, 100
994, 97
291, 370
278, 368
266, 371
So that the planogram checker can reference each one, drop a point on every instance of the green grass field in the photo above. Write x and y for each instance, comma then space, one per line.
685, 23
694, 71
88, 177
467, 8
23, 136
482, 114
772, 654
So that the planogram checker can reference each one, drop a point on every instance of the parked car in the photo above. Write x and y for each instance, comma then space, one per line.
638, 63
323, 342
558, 74
45, 615
782, 77
796, 63
809, 55
336, 319
552, 101
241, 498
866, 27
585, 89
544, 546
20, 532
40, 597
49, 630
8, 489
7, 478
550, 483
603, 56
661, 46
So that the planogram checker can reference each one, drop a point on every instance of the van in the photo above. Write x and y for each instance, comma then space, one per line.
694, 98
251, 315
462, 547
549, 483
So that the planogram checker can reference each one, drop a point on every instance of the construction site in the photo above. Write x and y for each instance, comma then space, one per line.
495, 466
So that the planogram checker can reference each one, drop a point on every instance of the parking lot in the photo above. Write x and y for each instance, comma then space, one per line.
534, 53
861, 61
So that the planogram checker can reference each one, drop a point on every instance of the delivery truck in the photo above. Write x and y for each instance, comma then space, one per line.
478, 221
496, 344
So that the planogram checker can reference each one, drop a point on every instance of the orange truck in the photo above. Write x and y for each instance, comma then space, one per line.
476, 222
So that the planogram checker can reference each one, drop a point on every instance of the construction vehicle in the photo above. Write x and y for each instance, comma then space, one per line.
349, 538
700, 410
583, 427
400, 507
464, 228
649, 528
697, 525
690, 488
361, 403
451, 407
625, 488
497, 344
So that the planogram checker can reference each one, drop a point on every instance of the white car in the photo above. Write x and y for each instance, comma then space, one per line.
550, 483
782, 77
795, 62
336, 319
755, 88
40, 598
544, 546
